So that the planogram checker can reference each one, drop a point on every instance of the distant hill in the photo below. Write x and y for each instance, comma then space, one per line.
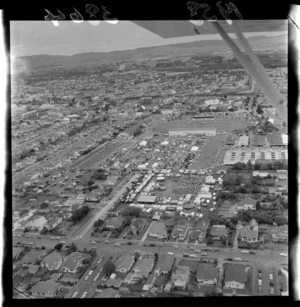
98, 58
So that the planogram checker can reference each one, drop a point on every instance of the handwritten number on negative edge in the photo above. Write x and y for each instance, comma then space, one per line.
54, 19
92, 10
76, 17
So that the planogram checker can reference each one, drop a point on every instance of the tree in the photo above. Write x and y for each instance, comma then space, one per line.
256, 190
86, 261
280, 220
44, 205
80, 214
109, 268
98, 223
58, 246
132, 211
73, 248
249, 165
270, 166
44, 231
257, 166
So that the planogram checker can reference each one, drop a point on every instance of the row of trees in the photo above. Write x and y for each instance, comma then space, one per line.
277, 165
264, 217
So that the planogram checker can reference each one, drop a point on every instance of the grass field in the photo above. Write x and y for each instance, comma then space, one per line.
208, 154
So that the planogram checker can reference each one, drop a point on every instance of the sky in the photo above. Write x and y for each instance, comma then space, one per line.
42, 37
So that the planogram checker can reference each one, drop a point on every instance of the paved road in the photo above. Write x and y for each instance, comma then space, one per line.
264, 257
102, 211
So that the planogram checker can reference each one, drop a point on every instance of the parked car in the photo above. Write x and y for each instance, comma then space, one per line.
193, 255
107, 241
175, 246
117, 244
86, 277
283, 254
244, 251
237, 259
251, 252
272, 290
84, 294
203, 254
74, 294
271, 276
197, 251
259, 282
151, 244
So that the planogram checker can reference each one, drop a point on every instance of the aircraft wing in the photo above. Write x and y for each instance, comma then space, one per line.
179, 28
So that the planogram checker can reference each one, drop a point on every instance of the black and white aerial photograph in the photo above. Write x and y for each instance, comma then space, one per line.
149, 158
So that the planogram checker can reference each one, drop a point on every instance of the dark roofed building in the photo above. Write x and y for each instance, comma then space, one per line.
275, 139
47, 288
207, 275
235, 276
258, 140
164, 264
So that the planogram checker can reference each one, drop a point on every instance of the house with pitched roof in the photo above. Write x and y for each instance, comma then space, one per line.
218, 231
180, 231
248, 235
235, 276
32, 257
247, 203
207, 275
164, 264
136, 226
115, 222
52, 261
281, 235
143, 267
180, 277
124, 263
72, 262
157, 230
48, 288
